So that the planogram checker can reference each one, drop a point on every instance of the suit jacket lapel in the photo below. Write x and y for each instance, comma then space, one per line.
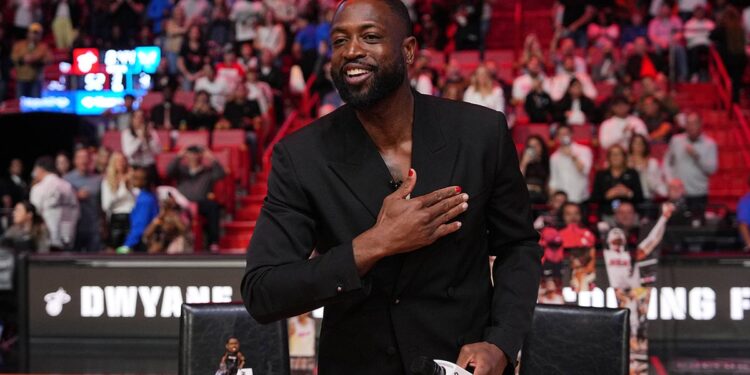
434, 160
358, 163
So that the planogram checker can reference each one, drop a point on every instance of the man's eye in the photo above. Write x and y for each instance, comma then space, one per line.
338, 41
371, 37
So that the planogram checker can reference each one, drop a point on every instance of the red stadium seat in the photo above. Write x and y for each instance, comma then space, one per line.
112, 140
233, 140
522, 132
191, 138
165, 138
162, 162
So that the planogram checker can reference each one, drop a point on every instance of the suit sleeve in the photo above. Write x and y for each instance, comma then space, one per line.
513, 240
281, 280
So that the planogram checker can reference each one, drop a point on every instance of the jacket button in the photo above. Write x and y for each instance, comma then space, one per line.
391, 350
339, 289
396, 301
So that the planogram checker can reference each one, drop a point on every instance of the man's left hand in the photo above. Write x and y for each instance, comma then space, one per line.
486, 358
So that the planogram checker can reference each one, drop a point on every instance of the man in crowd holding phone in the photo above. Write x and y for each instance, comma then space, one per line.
570, 166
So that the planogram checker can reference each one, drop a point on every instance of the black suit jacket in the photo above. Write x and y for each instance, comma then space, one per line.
326, 187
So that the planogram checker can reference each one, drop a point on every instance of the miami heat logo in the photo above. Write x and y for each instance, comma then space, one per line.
55, 301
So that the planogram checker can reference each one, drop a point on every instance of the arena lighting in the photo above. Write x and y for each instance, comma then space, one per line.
106, 76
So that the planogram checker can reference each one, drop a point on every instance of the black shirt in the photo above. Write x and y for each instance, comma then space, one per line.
193, 57
235, 112
604, 180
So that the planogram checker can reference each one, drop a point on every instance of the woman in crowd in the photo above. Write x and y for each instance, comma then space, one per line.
538, 104
270, 36
484, 91
574, 108
140, 144
202, 116
28, 232
118, 199
175, 29
62, 163
193, 55
616, 183
729, 38
648, 168
535, 168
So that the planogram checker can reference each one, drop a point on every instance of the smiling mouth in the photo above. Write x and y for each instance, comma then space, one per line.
356, 72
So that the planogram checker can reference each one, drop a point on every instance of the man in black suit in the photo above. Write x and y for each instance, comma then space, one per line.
168, 114
402, 270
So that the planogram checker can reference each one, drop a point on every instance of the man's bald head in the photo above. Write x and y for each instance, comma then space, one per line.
398, 9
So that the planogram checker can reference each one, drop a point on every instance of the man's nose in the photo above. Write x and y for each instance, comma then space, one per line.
353, 50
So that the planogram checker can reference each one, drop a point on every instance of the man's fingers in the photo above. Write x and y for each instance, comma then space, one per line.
438, 195
446, 205
408, 185
465, 355
446, 229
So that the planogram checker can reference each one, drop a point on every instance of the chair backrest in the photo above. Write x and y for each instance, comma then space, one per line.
192, 138
112, 140
227, 138
577, 340
205, 329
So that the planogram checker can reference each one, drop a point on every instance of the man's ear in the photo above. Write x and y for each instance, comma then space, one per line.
409, 47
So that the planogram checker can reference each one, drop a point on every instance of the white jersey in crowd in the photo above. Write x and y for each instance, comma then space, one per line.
302, 339
620, 272
57, 203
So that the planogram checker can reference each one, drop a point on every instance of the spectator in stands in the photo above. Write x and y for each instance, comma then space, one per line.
118, 199
683, 216
247, 56
730, 43
552, 217
649, 169
174, 32
665, 34
140, 144
620, 128
167, 233
196, 11
535, 168
697, 36
62, 163
28, 232
193, 55
532, 48
119, 117
168, 114
560, 82
219, 27
655, 118
101, 160
13, 187
195, 180
538, 104
524, 83
243, 113
642, 62
217, 89
56, 202
126, 16
65, 22
687, 8
245, 14
202, 116
144, 211
635, 29
657, 88
269, 72
743, 220
229, 69
605, 62
484, 91
271, 35
305, 47
603, 28
576, 14
156, 12
567, 48
574, 108
570, 166
571, 214
616, 183
258, 90
427, 32
421, 75
87, 186
30, 56
625, 217
692, 158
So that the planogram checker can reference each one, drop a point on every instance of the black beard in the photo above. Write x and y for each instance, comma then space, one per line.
384, 82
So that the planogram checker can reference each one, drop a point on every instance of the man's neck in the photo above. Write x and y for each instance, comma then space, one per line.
389, 122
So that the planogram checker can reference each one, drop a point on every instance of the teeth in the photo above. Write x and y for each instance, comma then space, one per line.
355, 72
